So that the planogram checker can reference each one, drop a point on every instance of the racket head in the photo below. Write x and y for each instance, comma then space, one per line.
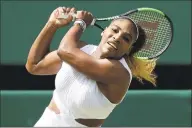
157, 29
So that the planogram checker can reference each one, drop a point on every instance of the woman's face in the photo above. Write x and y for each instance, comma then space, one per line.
117, 39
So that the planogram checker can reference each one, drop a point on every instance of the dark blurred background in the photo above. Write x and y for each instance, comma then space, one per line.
15, 77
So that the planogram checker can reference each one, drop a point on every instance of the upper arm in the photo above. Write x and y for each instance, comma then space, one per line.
102, 70
49, 65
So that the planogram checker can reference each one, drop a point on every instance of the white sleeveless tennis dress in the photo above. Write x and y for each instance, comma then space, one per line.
77, 96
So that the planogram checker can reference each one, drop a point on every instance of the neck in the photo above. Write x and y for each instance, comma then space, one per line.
97, 54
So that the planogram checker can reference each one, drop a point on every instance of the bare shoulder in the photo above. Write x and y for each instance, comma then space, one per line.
115, 91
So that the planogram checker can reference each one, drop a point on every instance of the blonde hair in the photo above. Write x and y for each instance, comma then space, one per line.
142, 69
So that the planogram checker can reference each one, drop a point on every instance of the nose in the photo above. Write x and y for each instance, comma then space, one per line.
116, 39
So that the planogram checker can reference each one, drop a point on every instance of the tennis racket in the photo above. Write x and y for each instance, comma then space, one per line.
156, 25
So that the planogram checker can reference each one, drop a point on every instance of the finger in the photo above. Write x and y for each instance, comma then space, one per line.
90, 13
58, 11
83, 12
78, 13
61, 10
73, 10
68, 10
64, 9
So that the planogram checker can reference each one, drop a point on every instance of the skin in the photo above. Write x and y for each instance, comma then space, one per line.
116, 41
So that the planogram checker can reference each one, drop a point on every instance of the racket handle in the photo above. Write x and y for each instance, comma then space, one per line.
93, 22
64, 16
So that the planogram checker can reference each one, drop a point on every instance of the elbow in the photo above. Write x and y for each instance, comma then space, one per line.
62, 53
65, 51
59, 52
30, 68
68, 56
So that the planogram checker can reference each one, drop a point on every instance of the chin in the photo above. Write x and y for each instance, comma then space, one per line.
105, 52
109, 54
114, 58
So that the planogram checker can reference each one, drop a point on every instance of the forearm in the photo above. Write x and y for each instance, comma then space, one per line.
41, 44
71, 39
69, 49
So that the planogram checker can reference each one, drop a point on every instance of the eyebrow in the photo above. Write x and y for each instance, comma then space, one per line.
126, 33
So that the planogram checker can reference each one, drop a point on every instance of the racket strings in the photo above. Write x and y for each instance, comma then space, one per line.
145, 51
165, 36
151, 48
157, 28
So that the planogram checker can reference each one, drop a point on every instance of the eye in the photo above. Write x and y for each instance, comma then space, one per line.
115, 30
126, 39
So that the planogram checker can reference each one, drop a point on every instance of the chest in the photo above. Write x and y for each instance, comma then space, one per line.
74, 86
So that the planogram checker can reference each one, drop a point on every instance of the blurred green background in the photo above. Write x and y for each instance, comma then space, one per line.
139, 109
21, 22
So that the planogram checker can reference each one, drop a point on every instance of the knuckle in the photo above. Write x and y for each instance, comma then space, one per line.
73, 9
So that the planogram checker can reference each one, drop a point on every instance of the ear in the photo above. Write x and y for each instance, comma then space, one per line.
103, 31
130, 48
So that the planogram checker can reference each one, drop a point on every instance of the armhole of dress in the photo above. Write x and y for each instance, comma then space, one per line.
124, 63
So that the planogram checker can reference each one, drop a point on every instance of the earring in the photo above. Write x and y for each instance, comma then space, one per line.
102, 34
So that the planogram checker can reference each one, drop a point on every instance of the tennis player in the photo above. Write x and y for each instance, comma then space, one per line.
90, 80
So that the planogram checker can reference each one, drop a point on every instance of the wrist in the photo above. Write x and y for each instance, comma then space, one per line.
81, 23
78, 26
52, 25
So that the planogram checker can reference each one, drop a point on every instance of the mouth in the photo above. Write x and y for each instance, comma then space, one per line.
112, 45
